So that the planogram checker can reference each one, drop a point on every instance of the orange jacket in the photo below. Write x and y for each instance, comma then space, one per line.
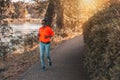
45, 31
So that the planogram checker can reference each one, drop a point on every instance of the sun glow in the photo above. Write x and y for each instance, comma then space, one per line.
88, 1
89, 7
87, 4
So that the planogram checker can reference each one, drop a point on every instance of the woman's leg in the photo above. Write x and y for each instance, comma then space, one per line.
42, 50
47, 47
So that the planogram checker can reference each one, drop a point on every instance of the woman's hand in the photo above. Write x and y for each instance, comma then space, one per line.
47, 37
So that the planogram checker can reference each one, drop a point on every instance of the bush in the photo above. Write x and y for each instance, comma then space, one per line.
102, 37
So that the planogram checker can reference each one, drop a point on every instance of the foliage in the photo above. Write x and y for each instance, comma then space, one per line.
6, 9
101, 35
20, 9
37, 9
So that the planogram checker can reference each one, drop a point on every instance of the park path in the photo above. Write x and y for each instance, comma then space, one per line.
67, 63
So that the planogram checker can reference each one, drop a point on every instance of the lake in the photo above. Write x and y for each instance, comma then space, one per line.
20, 30
19, 37
25, 28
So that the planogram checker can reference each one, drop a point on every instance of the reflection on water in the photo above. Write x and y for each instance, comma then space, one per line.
25, 28
18, 38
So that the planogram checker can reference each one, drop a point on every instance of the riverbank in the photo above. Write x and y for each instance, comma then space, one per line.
22, 20
18, 63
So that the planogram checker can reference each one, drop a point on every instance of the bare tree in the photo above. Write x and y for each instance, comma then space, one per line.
50, 12
4, 4
38, 8
20, 9
54, 10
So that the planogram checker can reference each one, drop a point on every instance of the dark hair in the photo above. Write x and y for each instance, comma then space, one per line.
44, 20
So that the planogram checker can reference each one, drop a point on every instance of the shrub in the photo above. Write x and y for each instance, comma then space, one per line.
102, 37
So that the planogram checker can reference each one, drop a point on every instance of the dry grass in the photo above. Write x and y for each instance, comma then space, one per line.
18, 63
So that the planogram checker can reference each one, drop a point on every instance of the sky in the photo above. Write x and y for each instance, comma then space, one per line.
22, 0
25, 0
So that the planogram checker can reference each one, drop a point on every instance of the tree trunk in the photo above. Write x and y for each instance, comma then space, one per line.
50, 12
55, 8
59, 14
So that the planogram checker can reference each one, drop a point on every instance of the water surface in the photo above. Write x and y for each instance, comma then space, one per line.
25, 28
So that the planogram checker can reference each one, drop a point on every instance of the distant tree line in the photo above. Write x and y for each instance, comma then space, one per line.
48, 9
19, 9
5, 9
52, 10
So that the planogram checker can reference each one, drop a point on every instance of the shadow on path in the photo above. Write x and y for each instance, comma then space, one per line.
67, 63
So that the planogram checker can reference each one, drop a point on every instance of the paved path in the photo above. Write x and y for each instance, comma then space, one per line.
67, 63
1, 79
